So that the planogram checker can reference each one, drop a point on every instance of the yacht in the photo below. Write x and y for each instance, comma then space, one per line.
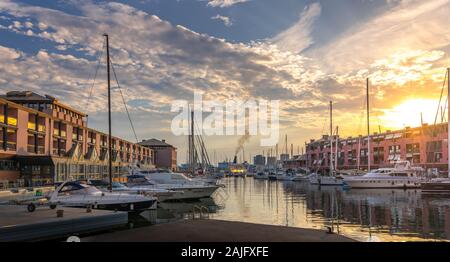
401, 176
76, 194
322, 180
160, 193
284, 176
302, 177
186, 187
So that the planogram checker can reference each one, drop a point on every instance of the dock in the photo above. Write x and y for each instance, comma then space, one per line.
17, 224
211, 230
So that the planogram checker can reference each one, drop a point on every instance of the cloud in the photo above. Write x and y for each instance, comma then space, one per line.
224, 19
298, 37
409, 26
224, 3
157, 62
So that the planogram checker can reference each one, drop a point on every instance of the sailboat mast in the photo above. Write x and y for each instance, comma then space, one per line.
448, 119
336, 148
193, 158
368, 126
109, 112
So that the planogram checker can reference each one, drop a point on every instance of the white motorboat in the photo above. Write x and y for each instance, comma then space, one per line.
322, 180
401, 176
75, 194
185, 187
284, 176
301, 178
160, 193
261, 175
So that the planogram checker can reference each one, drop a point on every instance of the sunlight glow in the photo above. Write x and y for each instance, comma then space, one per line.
408, 113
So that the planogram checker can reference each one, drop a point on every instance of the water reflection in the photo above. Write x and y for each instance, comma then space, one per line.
380, 214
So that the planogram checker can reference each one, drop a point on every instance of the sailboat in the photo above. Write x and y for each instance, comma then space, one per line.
441, 185
331, 179
76, 194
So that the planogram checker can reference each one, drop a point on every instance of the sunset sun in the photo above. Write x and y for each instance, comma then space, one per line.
408, 113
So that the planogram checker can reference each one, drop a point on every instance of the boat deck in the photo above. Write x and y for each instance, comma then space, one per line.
17, 224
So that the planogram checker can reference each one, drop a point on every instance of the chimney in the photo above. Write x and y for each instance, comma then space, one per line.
163, 140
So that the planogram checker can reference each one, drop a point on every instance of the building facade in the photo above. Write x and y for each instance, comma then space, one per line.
259, 160
43, 141
425, 146
165, 155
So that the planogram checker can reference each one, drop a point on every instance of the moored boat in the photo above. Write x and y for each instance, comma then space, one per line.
401, 176
76, 194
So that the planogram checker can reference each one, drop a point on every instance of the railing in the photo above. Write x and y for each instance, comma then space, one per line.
11, 146
200, 212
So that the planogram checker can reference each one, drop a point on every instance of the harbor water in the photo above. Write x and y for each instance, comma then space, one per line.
362, 214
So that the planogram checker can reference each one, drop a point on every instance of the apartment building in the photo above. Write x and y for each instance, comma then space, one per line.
43, 141
425, 146
165, 155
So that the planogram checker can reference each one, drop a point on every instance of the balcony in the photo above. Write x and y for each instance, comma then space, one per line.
41, 128
11, 146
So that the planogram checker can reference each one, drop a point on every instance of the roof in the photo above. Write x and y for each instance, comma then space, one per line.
154, 142
27, 96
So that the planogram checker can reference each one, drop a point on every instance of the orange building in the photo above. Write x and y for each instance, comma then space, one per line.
43, 140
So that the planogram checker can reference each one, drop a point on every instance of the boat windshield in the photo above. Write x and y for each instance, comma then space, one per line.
118, 185
78, 189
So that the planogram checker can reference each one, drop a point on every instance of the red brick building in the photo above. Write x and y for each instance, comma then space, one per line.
426, 146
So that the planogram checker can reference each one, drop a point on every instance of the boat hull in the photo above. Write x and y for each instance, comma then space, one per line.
435, 188
128, 207
191, 193
326, 181
382, 183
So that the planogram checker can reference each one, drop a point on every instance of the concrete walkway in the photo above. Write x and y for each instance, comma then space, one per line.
217, 231
17, 224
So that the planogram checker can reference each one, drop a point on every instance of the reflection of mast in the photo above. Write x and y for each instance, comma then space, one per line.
448, 119
331, 137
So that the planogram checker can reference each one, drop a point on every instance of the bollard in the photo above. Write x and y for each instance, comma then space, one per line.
59, 213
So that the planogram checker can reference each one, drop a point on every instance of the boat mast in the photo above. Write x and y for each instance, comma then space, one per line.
359, 152
109, 112
448, 119
331, 137
192, 144
336, 145
368, 126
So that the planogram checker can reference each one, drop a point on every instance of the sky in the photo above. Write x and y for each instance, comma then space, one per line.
303, 53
